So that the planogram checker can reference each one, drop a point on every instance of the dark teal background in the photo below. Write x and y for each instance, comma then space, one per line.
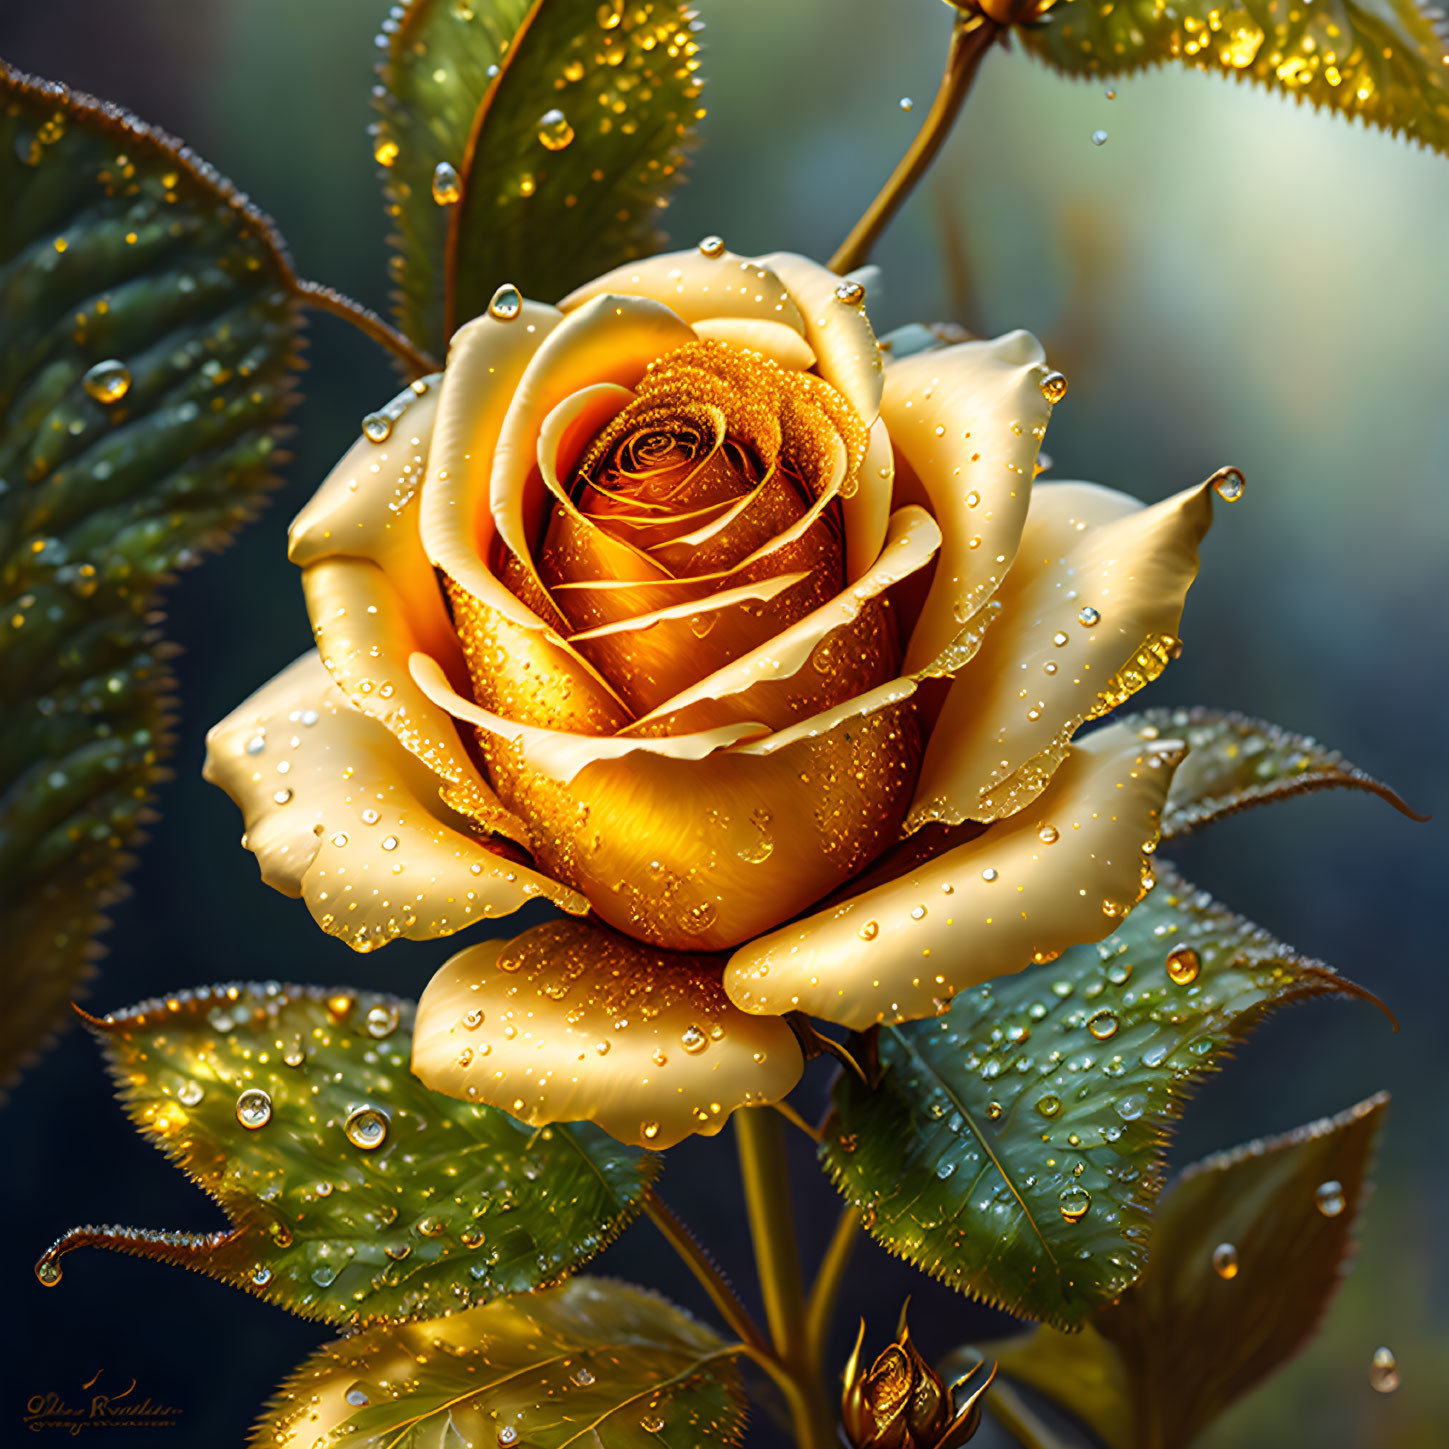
1229, 279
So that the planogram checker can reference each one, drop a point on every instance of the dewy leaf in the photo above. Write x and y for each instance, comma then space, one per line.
354, 1193
1013, 1147
440, 57
1381, 60
1247, 1252
147, 334
574, 149
1235, 762
593, 1363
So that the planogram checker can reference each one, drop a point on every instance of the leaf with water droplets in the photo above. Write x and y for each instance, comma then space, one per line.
1185, 1340
566, 123
1383, 61
147, 336
1235, 762
353, 1192
595, 1361
1013, 1146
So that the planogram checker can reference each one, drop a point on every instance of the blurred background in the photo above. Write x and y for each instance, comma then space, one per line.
1229, 278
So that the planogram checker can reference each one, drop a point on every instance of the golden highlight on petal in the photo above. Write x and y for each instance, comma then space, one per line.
573, 1021
1058, 874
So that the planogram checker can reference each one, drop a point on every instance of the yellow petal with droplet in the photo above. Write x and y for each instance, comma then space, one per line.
338, 812
573, 1021
1089, 614
966, 422
777, 341
900, 949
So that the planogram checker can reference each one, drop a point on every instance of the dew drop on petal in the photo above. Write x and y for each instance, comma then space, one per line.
1053, 386
1228, 484
1088, 616
377, 427
506, 303
711, 246
851, 292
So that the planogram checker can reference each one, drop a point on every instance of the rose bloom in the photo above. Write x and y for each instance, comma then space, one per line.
686, 607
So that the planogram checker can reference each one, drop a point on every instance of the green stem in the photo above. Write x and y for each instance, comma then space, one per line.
329, 299
971, 38
820, 1311
764, 1170
1015, 1415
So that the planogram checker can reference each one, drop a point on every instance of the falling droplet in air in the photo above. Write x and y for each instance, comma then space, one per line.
851, 292
1228, 484
447, 184
554, 130
366, 1128
1225, 1261
1099, 138
1329, 1198
253, 1108
1384, 1371
1074, 1200
506, 304
107, 381
1182, 965
1053, 386
711, 246
377, 427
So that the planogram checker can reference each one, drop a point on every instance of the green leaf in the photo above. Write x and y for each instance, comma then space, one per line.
594, 1362
1013, 1147
353, 1192
1380, 60
564, 154
147, 334
1236, 762
1156, 1368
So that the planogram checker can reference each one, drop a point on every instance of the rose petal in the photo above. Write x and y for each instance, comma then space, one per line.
1042, 670
702, 840
338, 812
849, 641
866, 508
1057, 875
839, 332
966, 423
571, 1021
777, 341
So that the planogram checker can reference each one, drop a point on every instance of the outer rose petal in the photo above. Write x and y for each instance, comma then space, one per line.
966, 422
1023, 891
339, 813
571, 1021
1042, 671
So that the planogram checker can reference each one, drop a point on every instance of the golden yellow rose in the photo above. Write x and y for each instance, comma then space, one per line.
683, 606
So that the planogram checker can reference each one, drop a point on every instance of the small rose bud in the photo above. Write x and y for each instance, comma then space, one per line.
901, 1402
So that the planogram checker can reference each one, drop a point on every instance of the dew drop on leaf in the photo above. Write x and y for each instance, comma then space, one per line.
447, 185
1329, 1198
1225, 1261
554, 130
366, 1128
108, 381
254, 1109
1099, 138
1384, 1371
1074, 1200
1182, 965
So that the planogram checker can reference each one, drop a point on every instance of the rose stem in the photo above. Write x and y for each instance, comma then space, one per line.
764, 1171
796, 1120
820, 1310
697, 1260
328, 299
1011, 1411
971, 37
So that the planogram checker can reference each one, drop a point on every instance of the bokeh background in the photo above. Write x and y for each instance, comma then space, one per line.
1228, 279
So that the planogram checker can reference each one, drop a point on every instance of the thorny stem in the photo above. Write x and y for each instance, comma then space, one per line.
721, 1294
971, 38
820, 1310
328, 299
1014, 1415
760, 1134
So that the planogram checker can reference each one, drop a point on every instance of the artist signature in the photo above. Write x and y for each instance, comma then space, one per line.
99, 1406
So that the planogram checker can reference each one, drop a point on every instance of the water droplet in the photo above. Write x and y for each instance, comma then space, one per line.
711, 246
377, 427
1225, 1261
1329, 1198
1228, 484
583, 1378
48, 1271
870, 931
398, 1251
907, 104
1131, 1107
189, 1093
281, 797
389, 842
1074, 1200
1103, 1026
1047, 835
447, 184
554, 130
507, 1436
473, 1019
1111, 95
1059, 639
1099, 138
294, 1056
650, 1130
357, 1398
107, 381
382, 1020
366, 1128
1182, 965
261, 1275
993, 1111
693, 1040
1053, 386
254, 1108
1384, 1371
386, 151
1088, 616
506, 304
1049, 1105
851, 292
651, 1424
339, 1005
989, 874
